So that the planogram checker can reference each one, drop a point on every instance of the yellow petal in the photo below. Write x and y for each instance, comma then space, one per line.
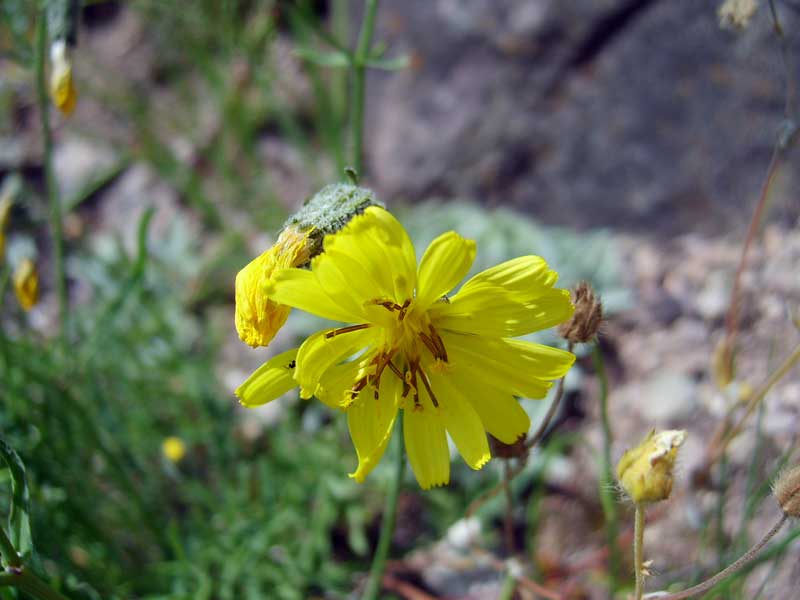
517, 367
493, 311
426, 445
528, 276
301, 289
258, 318
462, 422
499, 411
271, 380
371, 421
444, 264
319, 352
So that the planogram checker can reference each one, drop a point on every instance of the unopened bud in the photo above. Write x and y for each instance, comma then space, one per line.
586, 319
645, 472
26, 284
787, 491
723, 366
62, 87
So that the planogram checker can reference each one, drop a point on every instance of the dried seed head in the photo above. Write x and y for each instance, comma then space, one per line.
645, 472
787, 491
586, 319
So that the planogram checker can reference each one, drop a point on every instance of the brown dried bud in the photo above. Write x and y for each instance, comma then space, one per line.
588, 316
787, 491
502, 450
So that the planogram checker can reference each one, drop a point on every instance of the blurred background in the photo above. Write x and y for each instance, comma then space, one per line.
626, 141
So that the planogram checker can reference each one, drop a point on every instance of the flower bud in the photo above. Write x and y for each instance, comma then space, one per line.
645, 472
26, 284
173, 448
586, 319
787, 491
258, 318
62, 87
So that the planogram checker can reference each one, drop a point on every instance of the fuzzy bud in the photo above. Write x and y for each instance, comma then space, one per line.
586, 319
787, 491
62, 87
645, 472
26, 284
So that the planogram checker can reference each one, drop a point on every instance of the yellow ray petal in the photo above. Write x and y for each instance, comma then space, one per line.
518, 367
444, 264
371, 421
301, 289
492, 311
525, 275
462, 422
271, 380
319, 352
426, 445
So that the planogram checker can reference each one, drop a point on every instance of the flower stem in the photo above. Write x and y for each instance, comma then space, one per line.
373, 587
730, 569
50, 182
8, 552
359, 66
24, 580
607, 482
638, 550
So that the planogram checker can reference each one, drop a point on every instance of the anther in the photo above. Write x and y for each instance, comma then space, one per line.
348, 329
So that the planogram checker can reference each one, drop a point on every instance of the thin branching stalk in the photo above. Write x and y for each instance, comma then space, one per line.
373, 588
729, 570
26, 581
10, 556
508, 521
607, 499
56, 227
638, 550
359, 72
551, 411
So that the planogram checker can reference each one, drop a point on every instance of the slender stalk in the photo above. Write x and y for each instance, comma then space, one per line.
508, 521
732, 568
8, 552
638, 550
359, 67
509, 587
25, 580
373, 588
606, 484
50, 182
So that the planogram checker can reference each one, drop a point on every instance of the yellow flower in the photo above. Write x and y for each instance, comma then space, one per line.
448, 363
62, 87
174, 449
5, 215
26, 283
258, 318
645, 472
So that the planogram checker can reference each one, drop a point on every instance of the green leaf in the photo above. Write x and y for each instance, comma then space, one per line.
334, 58
18, 521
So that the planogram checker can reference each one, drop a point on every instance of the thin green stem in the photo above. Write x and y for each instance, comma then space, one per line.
359, 72
607, 482
24, 579
373, 588
732, 568
638, 550
509, 587
8, 552
50, 182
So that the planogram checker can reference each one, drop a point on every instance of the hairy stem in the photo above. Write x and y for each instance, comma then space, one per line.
638, 550
373, 588
729, 570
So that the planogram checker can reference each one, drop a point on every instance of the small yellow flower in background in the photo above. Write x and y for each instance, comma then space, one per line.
26, 283
62, 87
5, 215
258, 317
448, 363
645, 472
173, 448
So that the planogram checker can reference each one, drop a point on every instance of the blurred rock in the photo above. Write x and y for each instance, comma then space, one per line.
637, 114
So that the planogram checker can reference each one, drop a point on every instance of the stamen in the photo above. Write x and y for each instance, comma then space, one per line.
357, 387
348, 329
437, 339
427, 385
429, 343
403, 308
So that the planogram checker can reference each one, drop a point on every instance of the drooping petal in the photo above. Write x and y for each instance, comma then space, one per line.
271, 380
500, 413
462, 422
257, 317
301, 289
444, 264
426, 445
521, 368
528, 276
319, 352
371, 421
494, 312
